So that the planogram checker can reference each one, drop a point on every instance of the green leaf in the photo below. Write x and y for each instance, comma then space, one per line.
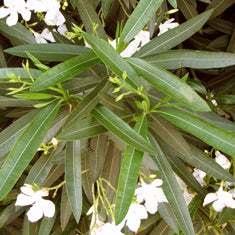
219, 6
87, 103
169, 133
85, 128
113, 60
33, 96
139, 18
172, 190
175, 59
17, 31
194, 205
173, 3
47, 224
201, 161
106, 4
121, 129
188, 9
9, 136
27, 226
10, 213
42, 167
226, 99
129, 173
181, 170
65, 209
74, 3
11, 102
111, 170
174, 36
25, 147
89, 18
170, 84
49, 52
19, 72
212, 135
73, 177
225, 215
65, 70
167, 214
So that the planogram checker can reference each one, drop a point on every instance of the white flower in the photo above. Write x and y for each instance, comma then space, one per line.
38, 5
110, 228
39, 207
220, 200
62, 29
98, 227
134, 216
140, 40
167, 25
214, 102
54, 18
13, 8
46, 34
152, 194
199, 175
222, 160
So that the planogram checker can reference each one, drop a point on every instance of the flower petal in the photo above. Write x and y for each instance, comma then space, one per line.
218, 205
12, 19
133, 224
157, 183
4, 12
35, 213
24, 200
27, 191
151, 207
48, 208
210, 197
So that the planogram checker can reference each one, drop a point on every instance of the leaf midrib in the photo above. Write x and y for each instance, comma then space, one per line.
19, 158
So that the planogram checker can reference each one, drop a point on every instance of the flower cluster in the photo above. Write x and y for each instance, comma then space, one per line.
12, 8
220, 199
149, 194
39, 207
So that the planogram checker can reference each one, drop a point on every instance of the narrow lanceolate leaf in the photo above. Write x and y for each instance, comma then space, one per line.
106, 4
113, 60
174, 59
9, 136
170, 84
174, 36
86, 128
33, 96
18, 72
129, 173
87, 103
65, 70
48, 52
74, 3
25, 148
212, 135
169, 133
73, 177
65, 209
89, 18
172, 190
121, 129
139, 18
17, 31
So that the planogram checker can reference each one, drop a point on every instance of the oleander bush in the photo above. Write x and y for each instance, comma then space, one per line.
117, 117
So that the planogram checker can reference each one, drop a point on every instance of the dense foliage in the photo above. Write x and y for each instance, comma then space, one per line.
121, 109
